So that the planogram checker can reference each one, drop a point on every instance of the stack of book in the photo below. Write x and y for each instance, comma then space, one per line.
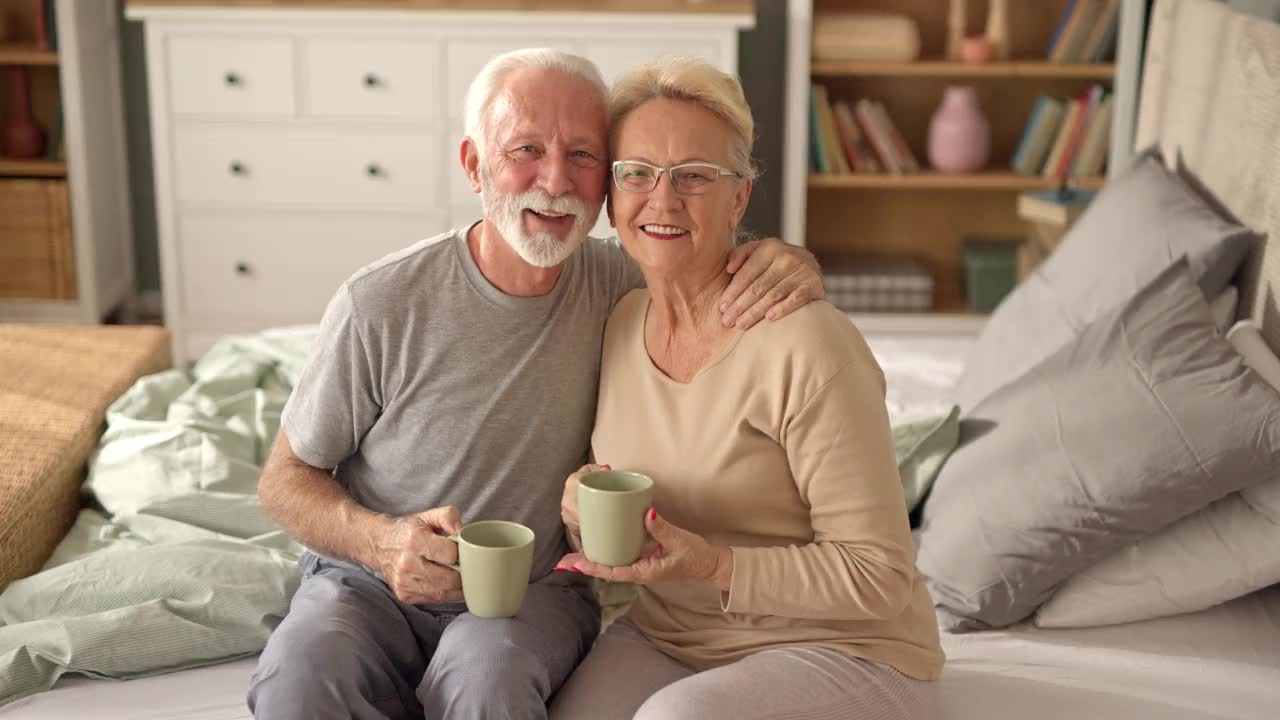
1086, 32
1066, 137
878, 284
855, 138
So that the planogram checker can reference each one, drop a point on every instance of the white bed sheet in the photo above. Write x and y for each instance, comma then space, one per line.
1219, 664
1223, 663
919, 371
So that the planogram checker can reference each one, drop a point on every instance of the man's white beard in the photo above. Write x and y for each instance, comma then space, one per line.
539, 249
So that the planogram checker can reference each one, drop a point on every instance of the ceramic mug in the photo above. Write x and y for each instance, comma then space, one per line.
494, 559
611, 509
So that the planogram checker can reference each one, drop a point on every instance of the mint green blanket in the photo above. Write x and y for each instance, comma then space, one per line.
175, 565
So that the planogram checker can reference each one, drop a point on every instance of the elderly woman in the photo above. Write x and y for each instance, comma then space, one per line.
781, 579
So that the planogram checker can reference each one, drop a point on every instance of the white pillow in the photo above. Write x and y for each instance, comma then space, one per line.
1228, 549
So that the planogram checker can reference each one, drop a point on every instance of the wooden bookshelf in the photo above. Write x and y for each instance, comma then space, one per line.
10, 168
51, 268
928, 215
938, 181
947, 69
26, 54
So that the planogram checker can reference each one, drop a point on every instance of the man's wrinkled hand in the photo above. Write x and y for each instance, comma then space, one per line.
770, 279
412, 555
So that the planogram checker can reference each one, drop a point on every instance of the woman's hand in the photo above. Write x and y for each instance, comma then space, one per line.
569, 501
674, 554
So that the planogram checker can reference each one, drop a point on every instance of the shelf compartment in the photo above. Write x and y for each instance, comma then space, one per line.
999, 181
946, 68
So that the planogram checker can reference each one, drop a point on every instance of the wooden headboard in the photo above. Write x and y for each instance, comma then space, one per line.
1211, 101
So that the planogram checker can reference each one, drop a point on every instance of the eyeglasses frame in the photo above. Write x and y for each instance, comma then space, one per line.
613, 171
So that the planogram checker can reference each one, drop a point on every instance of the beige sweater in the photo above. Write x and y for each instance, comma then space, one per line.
781, 449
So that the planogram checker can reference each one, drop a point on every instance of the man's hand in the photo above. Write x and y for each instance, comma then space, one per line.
409, 551
770, 279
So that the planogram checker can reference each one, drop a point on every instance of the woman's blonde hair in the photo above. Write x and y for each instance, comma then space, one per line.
696, 81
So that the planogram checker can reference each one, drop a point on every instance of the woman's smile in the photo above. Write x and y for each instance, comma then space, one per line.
663, 232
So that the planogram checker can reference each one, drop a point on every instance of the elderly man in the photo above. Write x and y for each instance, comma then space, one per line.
456, 381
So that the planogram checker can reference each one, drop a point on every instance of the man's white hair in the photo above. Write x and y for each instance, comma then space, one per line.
489, 79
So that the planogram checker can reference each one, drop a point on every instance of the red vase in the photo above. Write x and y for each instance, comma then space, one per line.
20, 137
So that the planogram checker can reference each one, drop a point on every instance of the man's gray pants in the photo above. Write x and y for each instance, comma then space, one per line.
349, 648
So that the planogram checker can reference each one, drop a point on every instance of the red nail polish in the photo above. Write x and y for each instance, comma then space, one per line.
607, 467
577, 571
562, 569
653, 514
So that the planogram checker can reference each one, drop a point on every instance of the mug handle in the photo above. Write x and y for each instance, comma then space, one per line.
455, 566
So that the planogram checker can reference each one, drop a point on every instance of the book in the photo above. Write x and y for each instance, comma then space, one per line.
906, 160
1074, 108
861, 157
1054, 207
1106, 46
836, 161
1092, 98
1093, 151
1078, 27
1061, 27
865, 114
818, 155
1102, 34
1037, 136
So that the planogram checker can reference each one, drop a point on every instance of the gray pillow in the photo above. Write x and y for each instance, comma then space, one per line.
1138, 225
1148, 416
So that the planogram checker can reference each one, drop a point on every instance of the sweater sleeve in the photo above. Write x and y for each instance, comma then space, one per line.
860, 563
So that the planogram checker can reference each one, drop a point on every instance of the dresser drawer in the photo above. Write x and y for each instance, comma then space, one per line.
373, 78
271, 269
218, 165
231, 76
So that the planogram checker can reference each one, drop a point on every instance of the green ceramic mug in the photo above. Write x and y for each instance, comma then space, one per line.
611, 508
494, 559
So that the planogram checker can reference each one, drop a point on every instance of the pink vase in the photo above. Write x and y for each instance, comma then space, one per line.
20, 137
959, 134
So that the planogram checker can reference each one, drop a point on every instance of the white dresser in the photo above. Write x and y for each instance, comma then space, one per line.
293, 146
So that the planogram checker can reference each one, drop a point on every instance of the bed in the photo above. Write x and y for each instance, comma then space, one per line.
1211, 102
1219, 663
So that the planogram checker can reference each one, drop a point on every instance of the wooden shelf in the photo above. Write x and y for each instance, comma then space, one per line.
26, 55
32, 168
945, 68
1004, 181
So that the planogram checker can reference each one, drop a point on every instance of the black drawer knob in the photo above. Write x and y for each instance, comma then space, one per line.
371, 80
243, 269
232, 79
373, 170
238, 168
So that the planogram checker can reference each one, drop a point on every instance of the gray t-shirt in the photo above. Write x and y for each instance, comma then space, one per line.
431, 387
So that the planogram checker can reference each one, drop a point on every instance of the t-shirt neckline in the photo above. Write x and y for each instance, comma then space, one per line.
496, 296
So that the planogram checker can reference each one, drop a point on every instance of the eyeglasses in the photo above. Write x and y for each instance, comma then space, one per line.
687, 179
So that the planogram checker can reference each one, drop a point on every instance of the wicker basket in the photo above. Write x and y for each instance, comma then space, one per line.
36, 258
55, 386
